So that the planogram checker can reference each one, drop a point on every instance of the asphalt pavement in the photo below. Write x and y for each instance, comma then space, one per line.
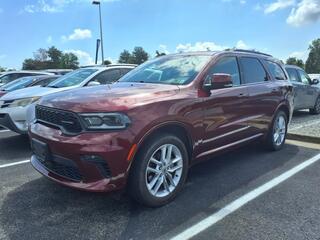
32, 207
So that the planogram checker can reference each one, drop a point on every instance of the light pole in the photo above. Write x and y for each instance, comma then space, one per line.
101, 38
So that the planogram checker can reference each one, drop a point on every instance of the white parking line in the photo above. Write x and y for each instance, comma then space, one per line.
14, 163
238, 203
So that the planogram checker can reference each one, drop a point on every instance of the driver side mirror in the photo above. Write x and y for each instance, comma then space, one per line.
217, 81
315, 81
93, 83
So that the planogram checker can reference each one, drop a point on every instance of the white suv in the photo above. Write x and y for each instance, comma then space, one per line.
16, 107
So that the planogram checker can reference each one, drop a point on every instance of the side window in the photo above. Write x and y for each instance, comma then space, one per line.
252, 70
107, 77
276, 71
124, 71
228, 65
293, 75
304, 77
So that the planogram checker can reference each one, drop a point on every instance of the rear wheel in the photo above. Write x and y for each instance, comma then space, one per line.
316, 109
159, 171
277, 132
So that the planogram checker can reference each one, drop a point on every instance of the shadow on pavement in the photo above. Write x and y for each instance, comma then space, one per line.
42, 209
13, 147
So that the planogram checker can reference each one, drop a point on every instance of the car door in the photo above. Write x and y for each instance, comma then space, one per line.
310, 92
263, 95
225, 110
298, 88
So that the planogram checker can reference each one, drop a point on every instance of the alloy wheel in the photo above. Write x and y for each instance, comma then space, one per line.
280, 130
164, 170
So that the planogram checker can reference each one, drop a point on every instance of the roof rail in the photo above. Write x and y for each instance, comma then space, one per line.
248, 51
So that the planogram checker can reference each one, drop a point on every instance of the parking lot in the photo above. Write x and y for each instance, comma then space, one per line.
35, 208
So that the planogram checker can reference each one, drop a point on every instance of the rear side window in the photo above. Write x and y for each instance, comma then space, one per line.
252, 70
108, 76
293, 75
228, 65
124, 71
304, 77
276, 71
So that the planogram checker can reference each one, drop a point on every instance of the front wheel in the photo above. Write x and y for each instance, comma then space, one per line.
316, 109
277, 133
159, 171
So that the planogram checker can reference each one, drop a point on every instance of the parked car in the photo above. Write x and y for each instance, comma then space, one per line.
7, 77
306, 93
58, 71
146, 130
20, 83
14, 105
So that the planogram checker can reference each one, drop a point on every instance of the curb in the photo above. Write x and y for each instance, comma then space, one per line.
304, 138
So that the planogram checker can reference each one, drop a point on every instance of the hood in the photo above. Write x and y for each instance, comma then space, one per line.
36, 91
115, 97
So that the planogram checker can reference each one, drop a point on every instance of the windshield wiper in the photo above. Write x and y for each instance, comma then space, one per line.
53, 86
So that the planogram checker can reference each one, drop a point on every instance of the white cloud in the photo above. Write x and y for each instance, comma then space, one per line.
200, 46
307, 11
53, 6
49, 39
278, 5
242, 45
300, 55
163, 49
78, 34
243, 1
84, 57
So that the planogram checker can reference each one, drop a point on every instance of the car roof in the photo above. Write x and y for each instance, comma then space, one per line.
26, 71
293, 66
100, 67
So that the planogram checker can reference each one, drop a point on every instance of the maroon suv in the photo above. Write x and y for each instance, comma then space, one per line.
145, 131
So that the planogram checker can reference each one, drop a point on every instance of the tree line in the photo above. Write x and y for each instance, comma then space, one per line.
52, 58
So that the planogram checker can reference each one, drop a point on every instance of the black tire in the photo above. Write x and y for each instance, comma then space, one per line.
270, 141
137, 185
316, 109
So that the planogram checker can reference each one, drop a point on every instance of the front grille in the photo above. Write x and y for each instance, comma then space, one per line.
68, 122
6, 104
63, 169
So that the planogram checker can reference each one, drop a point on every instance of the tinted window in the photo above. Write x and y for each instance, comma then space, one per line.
253, 71
124, 71
175, 70
44, 82
293, 75
304, 77
228, 65
19, 84
108, 77
276, 71
74, 78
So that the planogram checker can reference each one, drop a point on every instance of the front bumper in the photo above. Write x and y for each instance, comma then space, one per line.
7, 122
14, 119
89, 161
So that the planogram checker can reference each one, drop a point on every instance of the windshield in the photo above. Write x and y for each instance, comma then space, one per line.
175, 70
18, 84
72, 79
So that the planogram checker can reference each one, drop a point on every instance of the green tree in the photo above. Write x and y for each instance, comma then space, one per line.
69, 61
125, 57
139, 55
41, 55
107, 62
55, 55
2, 69
313, 61
295, 61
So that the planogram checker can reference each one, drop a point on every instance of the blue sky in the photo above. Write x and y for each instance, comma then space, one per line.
280, 27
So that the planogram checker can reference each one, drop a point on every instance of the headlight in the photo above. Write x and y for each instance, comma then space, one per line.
23, 102
105, 121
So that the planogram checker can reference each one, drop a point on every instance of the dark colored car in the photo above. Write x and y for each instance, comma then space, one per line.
42, 80
8, 77
306, 93
145, 131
